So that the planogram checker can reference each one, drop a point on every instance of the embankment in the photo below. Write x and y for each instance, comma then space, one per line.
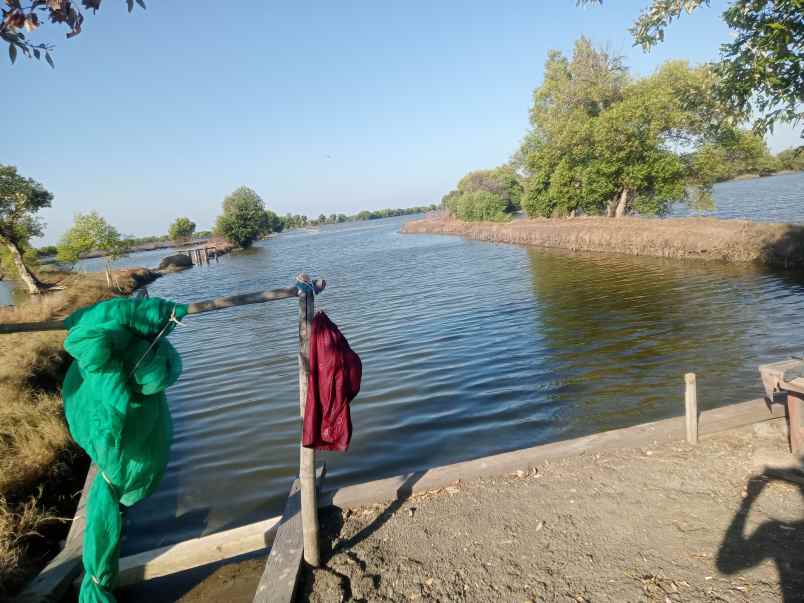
697, 238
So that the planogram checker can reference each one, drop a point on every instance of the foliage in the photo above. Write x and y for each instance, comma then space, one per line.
791, 159
760, 69
17, 17
91, 232
20, 201
480, 205
501, 181
244, 219
603, 142
275, 223
182, 229
736, 152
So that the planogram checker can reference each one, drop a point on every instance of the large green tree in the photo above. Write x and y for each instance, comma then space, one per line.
501, 181
182, 229
761, 68
244, 219
605, 143
20, 201
91, 232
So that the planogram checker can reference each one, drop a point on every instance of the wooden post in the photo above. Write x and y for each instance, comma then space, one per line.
309, 505
691, 407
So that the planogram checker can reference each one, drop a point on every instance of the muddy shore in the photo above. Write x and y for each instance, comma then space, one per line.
693, 238
667, 522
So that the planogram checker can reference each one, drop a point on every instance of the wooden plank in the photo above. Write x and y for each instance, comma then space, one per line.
646, 434
197, 552
52, 582
283, 566
691, 407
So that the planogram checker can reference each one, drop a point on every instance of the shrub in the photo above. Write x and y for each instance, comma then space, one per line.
482, 206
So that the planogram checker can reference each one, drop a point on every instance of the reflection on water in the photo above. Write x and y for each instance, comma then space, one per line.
468, 349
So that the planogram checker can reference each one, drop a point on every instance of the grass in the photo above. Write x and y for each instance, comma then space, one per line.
700, 238
41, 468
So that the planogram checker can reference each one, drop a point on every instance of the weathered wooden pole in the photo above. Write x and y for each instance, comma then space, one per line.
309, 504
691, 407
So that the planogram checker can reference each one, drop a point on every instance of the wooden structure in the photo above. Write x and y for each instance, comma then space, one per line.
53, 581
784, 383
201, 255
691, 407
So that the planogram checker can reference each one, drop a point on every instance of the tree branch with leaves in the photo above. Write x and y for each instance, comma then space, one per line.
18, 17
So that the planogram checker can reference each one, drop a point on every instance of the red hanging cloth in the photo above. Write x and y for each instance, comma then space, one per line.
335, 373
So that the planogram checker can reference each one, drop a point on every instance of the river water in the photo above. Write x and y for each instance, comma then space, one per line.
468, 349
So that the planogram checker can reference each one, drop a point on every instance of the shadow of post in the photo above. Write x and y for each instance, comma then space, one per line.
403, 493
776, 540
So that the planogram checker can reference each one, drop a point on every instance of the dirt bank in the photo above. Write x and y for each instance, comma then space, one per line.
667, 523
700, 238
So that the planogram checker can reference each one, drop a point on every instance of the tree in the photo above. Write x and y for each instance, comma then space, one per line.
604, 143
91, 232
501, 181
17, 17
759, 70
243, 220
20, 201
181, 229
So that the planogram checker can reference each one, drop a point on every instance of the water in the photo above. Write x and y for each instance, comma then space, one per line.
469, 349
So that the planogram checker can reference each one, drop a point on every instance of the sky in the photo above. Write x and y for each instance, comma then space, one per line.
321, 107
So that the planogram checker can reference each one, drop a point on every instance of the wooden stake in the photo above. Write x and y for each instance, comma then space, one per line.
309, 505
691, 407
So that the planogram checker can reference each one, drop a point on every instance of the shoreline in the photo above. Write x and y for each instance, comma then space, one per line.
711, 239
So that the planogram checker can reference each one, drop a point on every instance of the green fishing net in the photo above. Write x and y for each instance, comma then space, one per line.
115, 406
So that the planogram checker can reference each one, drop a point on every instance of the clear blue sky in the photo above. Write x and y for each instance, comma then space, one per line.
319, 106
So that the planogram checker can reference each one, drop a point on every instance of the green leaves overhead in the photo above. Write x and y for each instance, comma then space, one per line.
761, 68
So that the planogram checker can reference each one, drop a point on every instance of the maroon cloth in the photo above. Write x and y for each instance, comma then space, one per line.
335, 372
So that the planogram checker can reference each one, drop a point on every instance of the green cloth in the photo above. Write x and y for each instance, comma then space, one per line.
121, 419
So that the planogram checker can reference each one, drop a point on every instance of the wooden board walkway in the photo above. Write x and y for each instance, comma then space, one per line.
283, 566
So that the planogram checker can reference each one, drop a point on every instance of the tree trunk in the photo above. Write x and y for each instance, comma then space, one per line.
31, 282
622, 204
611, 207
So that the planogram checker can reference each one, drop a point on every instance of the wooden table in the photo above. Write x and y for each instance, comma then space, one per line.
784, 382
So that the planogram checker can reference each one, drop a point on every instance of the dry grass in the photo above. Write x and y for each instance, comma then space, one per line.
701, 238
40, 466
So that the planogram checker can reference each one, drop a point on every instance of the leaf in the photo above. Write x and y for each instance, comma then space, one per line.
130, 5
141, 3
49, 60
37, 54
12, 53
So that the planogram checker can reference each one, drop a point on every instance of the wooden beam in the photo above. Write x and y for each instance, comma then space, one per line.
309, 502
194, 308
197, 552
52, 582
283, 566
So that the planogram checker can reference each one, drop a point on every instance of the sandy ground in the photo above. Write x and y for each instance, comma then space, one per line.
694, 238
670, 523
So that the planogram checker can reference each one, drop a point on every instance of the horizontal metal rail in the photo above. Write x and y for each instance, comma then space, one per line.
198, 307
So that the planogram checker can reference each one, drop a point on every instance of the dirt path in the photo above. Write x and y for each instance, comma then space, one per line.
630, 525
644, 524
